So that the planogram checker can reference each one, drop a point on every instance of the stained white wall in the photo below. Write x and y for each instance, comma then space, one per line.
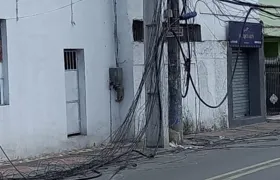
35, 120
209, 65
209, 71
125, 57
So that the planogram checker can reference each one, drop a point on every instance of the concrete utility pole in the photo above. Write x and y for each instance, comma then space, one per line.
152, 133
174, 72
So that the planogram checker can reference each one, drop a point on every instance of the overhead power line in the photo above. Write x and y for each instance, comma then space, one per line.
46, 12
115, 152
253, 5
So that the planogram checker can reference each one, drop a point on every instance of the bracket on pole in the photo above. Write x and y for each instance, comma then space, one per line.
187, 16
167, 14
177, 30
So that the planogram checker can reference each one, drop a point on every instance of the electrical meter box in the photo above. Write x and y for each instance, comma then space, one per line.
116, 76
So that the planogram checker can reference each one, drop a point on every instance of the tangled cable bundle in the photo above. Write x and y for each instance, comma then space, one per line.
115, 153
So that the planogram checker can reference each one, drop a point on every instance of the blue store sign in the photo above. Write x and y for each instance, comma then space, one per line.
252, 36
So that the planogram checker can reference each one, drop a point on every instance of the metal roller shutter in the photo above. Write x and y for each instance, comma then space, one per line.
240, 86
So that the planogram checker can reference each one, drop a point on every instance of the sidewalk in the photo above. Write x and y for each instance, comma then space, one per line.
35, 166
69, 160
233, 135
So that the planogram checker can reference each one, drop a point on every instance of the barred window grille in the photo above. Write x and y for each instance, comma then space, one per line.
138, 30
194, 32
1, 56
3, 75
70, 60
191, 30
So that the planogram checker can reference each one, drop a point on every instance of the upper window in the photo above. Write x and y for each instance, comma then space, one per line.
191, 30
138, 30
1, 56
70, 60
4, 83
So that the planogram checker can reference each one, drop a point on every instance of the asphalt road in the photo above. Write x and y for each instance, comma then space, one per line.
255, 161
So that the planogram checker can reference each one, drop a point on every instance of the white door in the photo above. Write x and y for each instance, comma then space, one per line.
72, 92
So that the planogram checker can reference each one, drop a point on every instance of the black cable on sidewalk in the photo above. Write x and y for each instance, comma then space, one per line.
5, 154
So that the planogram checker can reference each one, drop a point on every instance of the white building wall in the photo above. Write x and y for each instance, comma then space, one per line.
209, 62
209, 71
125, 57
34, 122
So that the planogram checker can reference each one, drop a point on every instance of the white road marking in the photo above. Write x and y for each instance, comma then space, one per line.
253, 171
262, 165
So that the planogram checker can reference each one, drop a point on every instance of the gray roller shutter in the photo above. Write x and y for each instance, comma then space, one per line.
240, 86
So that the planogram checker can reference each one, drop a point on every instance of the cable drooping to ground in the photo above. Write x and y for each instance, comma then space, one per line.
115, 152
186, 60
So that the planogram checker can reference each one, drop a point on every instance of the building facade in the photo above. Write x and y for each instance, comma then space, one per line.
211, 66
56, 91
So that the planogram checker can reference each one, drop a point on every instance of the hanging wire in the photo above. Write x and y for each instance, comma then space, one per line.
115, 152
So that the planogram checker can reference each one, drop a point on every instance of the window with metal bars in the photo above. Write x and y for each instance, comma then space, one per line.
138, 30
4, 79
70, 59
191, 30
1, 56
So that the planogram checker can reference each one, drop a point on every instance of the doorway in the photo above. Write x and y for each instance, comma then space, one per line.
75, 91
272, 69
240, 84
